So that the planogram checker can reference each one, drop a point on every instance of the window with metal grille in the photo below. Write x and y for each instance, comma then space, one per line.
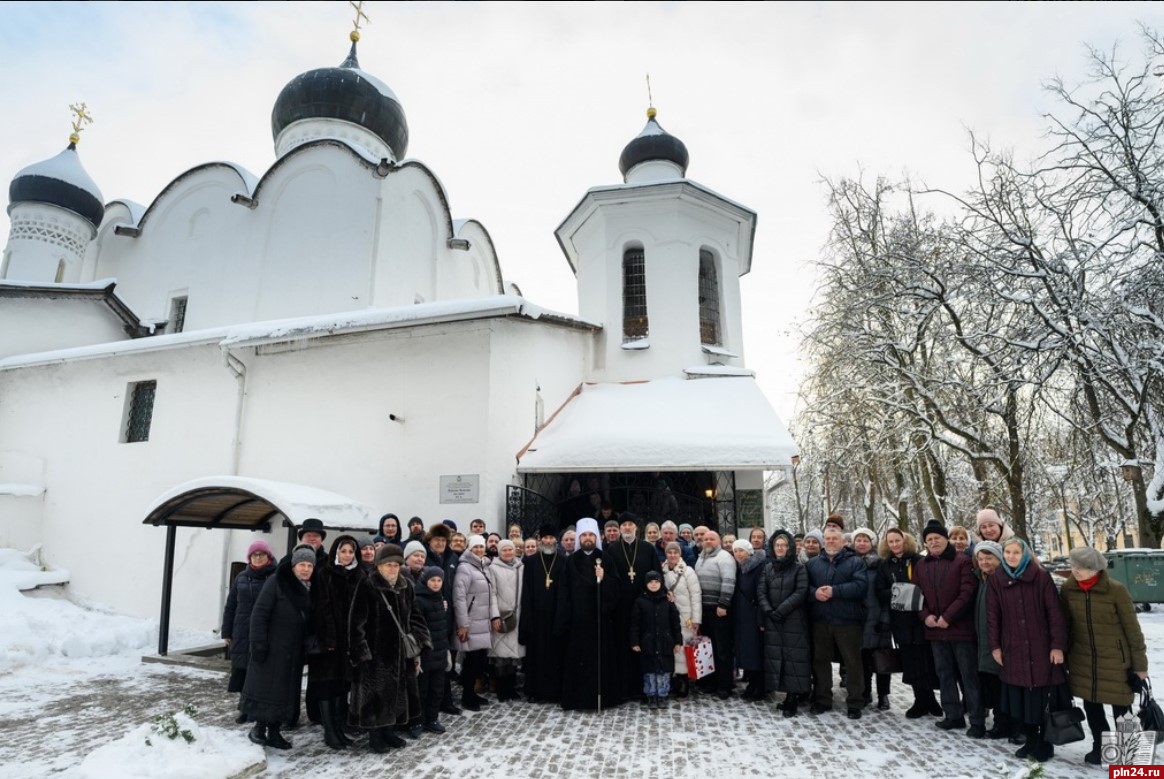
708, 299
178, 314
141, 411
634, 296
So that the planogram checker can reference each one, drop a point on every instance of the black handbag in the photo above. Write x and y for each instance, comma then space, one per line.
1150, 715
887, 660
1063, 726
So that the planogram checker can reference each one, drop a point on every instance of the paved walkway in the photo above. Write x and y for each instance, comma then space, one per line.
702, 737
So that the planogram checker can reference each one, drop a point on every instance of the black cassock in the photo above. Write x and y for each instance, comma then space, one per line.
541, 583
585, 620
639, 557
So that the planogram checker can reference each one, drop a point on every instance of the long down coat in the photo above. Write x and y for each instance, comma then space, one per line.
1025, 620
782, 595
379, 695
749, 644
236, 617
279, 623
474, 604
1104, 640
507, 582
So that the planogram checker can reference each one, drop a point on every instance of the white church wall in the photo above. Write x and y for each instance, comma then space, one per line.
193, 239
411, 228
671, 230
316, 217
39, 325
533, 371
21, 499
97, 488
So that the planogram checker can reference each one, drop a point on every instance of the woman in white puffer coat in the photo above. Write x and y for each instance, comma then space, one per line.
506, 654
475, 609
683, 588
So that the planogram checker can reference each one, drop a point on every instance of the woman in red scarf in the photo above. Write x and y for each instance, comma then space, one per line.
1105, 642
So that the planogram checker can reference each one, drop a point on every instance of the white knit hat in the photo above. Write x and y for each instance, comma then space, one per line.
475, 540
861, 531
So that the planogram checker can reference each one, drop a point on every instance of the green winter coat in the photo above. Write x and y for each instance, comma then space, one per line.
986, 662
1104, 641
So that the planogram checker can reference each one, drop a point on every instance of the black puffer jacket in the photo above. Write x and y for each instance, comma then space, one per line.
236, 615
438, 615
279, 623
782, 596
746, 608
847, 574
654, 628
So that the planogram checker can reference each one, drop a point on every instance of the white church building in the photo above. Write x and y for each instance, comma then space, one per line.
328, 340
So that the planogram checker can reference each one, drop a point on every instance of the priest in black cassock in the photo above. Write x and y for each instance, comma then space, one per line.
594, 672
541, 582
634, 558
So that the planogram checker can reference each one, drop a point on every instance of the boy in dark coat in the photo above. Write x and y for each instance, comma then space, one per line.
431, 603
655, 637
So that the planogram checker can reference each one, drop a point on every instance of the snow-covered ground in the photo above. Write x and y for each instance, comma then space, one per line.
76, 701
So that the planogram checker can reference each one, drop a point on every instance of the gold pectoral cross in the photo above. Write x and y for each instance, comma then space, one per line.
549, 581
632, 575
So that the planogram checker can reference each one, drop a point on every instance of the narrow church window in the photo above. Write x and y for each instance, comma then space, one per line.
178, 314
708, 299
141, 411
634, 296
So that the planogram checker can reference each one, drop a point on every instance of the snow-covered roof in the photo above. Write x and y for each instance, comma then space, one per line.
315, 326
665, 424
296, 502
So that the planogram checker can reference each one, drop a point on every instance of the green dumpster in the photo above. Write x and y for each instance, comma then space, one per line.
1141, 571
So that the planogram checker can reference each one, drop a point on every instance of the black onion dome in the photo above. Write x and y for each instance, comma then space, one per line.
345, 93
59, 181
653, 143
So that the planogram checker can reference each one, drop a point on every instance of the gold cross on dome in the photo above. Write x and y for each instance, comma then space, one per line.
359, 9
83, 117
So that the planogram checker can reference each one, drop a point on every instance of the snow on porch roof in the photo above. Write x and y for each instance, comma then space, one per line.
666, 424
239, 502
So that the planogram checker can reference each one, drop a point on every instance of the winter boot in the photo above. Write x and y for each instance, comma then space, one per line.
241, 718
791, 702
275, 739
679, 687
376, 741
311, 703
391, 739
344, 730
652, 702
505, 687
258, 734
327, 719
1032, 739
1044, 750
883, 703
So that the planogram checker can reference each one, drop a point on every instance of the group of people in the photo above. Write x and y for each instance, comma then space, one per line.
599, 614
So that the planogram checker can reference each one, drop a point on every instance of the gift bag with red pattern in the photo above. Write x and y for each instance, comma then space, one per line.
700, 658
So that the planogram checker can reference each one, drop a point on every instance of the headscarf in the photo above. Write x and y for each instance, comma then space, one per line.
586, 525
1017, 571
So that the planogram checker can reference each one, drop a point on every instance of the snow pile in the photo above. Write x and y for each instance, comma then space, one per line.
22, 570
147, 752
50, 627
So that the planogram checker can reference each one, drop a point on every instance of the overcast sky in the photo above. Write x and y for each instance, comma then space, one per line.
519, 108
